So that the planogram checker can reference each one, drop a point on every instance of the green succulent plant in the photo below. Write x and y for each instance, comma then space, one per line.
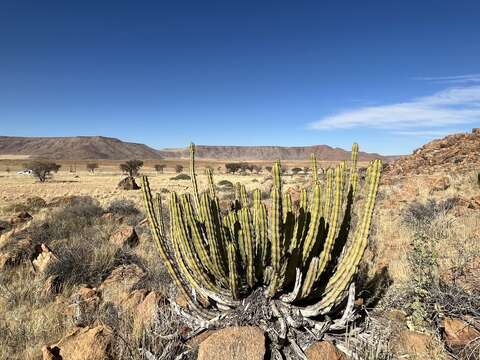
300, 260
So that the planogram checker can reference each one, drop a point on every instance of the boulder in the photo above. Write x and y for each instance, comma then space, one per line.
89, 343
234, 343
43, 259
128, 184
125, 236
324, 350
20, 218
413, 344
118, 285
84, 303
458, 333
146, 313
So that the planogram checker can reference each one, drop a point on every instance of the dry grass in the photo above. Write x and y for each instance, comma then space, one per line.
407, 210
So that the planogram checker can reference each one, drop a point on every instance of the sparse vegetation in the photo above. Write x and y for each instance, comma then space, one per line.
296, 170
91, 167
181, 177
131, 167
178, 168
159, 168
42, 170
420, 266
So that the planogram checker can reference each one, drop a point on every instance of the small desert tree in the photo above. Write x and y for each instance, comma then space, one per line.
131, 167
42, 170
256, 169
159, 168
8, 171
296, 170
92, 167
178, 168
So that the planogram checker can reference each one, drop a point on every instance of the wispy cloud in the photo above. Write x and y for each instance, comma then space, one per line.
457, 79
450, 107
426, 133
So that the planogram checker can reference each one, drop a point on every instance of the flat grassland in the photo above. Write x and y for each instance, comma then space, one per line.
426, 225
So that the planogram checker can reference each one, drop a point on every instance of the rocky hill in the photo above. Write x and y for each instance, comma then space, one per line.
75, 148
458, 152
323, 152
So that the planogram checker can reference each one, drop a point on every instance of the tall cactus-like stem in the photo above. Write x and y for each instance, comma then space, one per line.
299, 255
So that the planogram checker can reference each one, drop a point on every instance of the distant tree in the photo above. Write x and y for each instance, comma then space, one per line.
42, 170
232, 168
268, 168
159, 168
178, 168
296, 170
256, 169
131, 167
306, 169
7, 170
92, 167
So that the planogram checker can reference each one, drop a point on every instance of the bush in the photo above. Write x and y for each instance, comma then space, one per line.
42, 170
123, 207
181, 177
159, 168
225, 185
178, 169
418, 213
92, 167
32, 204
131, 167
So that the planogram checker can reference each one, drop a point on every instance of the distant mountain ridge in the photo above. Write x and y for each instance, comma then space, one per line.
75, 148
100, 147
323, 152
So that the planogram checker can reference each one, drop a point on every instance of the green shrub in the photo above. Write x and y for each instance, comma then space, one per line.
181, 177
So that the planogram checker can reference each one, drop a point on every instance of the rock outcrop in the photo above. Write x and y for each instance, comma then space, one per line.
455, 152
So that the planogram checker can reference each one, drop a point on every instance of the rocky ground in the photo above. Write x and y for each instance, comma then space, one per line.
80, 277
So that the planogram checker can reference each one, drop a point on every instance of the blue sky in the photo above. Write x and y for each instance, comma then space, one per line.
390, 75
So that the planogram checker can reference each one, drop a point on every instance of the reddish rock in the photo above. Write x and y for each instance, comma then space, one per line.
118, 285
234, 343
458, 333
81, 344
324, 350
412, 343
20, 218
458, 152
125, 236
